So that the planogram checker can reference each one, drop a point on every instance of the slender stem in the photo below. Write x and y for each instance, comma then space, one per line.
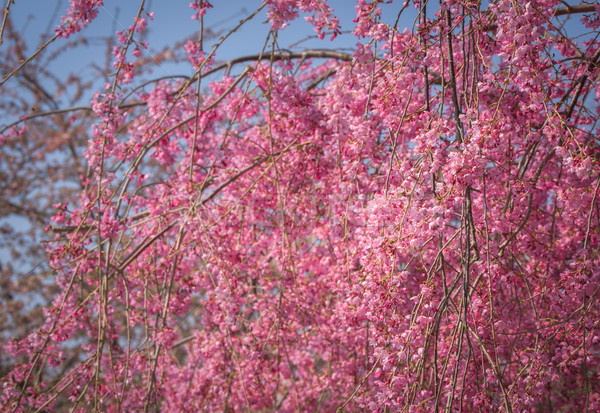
5, 19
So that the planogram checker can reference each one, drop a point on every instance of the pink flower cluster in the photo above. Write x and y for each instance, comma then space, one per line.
79, 15
413, 227
321, 16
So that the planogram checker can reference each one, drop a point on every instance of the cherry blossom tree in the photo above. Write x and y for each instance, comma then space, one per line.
410, 226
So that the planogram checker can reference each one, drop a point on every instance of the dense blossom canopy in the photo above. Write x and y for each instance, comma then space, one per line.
412, 226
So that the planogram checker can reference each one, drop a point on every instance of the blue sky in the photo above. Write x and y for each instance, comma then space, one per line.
36, 20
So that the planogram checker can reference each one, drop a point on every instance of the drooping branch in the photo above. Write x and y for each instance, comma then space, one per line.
574, 9
307, 54
560, 11
276, 56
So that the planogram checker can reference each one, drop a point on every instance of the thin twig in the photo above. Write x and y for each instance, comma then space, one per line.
5, 19
341, 408
29, 59
589, 222
459, 128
